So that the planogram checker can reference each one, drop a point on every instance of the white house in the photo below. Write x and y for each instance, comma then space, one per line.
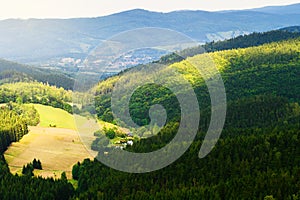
130, 142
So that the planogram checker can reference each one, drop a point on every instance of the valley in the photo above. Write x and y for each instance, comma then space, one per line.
52, 137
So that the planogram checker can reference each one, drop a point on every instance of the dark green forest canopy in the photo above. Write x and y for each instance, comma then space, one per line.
256, 156
254, 163
11, 76
11, 72
14, 119
26, 187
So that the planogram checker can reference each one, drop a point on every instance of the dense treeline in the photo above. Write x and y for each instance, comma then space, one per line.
265, 111
243, 167
30, 167
25, 73
26, 187
27, 112
243, 41
292, 29
13, 77
257, 156
14, 119
12, 128
34, 92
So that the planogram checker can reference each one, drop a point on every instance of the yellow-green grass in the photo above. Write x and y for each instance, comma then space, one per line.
107, 125
87, 127
62, 119
58, 149
55, 117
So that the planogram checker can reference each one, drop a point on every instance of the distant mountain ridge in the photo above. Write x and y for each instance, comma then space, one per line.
288, 9
66, 42
292, 29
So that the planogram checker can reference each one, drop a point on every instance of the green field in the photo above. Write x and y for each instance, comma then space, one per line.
55, 117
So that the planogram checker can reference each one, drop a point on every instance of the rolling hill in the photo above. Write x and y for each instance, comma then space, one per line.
257, 156
243, 41
267, 69
15, 72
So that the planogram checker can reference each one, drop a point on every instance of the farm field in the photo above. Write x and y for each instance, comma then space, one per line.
58, 149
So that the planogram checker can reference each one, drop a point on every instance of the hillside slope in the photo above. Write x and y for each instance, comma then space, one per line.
15, 72
257, 156
270, 69
243, 41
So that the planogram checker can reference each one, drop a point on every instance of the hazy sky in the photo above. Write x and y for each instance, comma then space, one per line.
93, 8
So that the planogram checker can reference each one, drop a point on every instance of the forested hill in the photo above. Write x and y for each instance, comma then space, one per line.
244, 41
14, 72
258, 154
267, 69
293, 29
